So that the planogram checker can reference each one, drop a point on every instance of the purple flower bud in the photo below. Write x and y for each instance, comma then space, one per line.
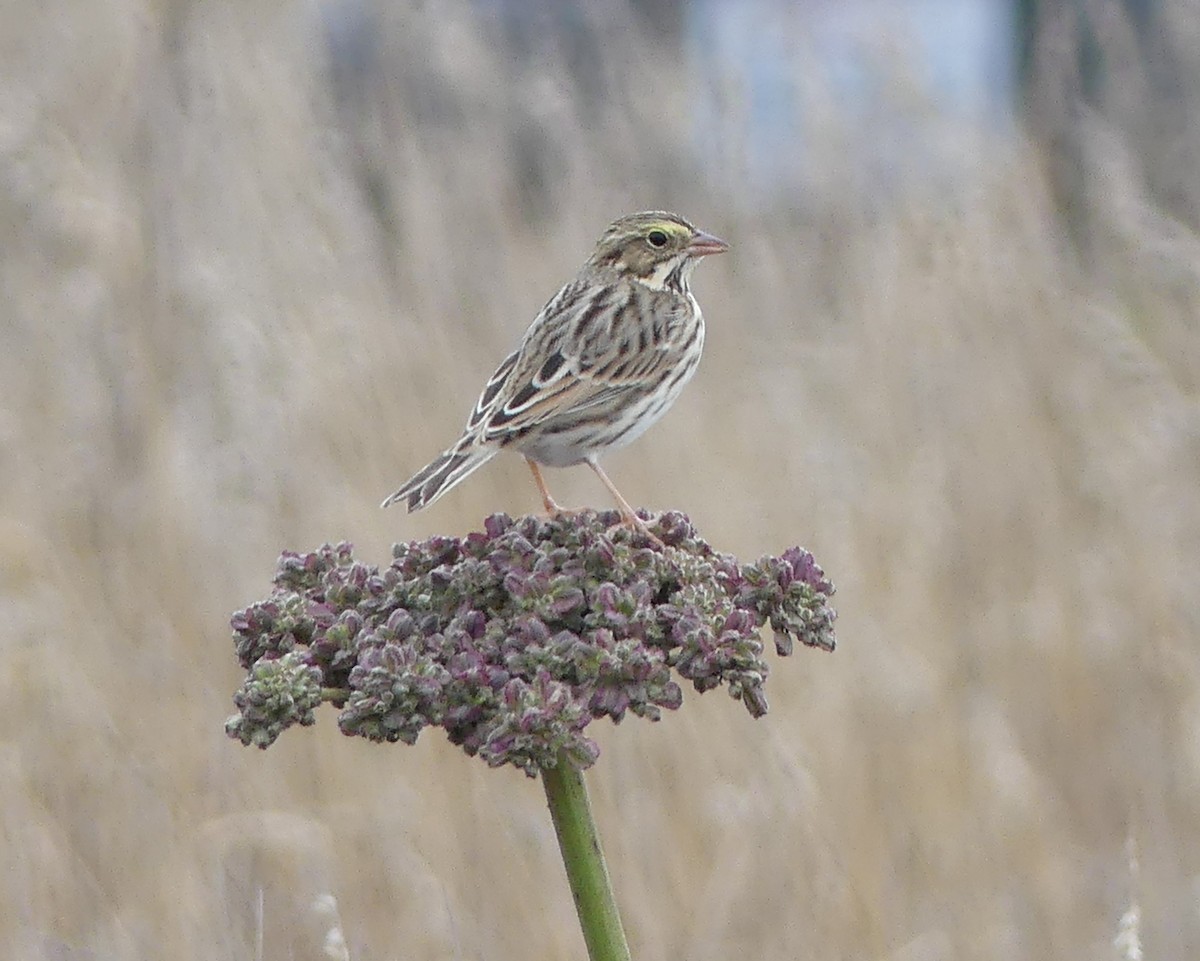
513, 639
497, 525
400, 624
518, 585
566, 599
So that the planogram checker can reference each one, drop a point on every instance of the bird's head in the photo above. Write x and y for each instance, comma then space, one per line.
657, 248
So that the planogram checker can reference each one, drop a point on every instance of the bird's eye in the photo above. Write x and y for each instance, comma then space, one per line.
657, 238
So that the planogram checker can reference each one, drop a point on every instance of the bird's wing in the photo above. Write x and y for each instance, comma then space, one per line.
576, 355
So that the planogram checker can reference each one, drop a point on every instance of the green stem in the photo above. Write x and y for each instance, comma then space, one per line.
580, 845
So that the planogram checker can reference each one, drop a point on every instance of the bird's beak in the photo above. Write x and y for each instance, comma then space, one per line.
704, 244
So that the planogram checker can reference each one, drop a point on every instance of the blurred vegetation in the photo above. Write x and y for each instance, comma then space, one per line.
256, 262
1129, 64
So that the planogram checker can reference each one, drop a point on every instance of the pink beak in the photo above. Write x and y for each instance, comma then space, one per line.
704, 244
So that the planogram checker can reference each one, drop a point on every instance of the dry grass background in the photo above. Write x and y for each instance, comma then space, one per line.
245, 293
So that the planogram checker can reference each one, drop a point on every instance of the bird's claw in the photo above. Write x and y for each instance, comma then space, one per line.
639, 525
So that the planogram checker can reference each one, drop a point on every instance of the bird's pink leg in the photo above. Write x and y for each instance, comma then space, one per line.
628, 517
548, 502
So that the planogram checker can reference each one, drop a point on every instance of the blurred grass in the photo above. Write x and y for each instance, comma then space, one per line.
248, 289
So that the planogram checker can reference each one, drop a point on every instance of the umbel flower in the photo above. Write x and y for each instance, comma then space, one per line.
514, 638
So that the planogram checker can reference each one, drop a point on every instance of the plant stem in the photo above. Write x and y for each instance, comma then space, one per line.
571, 812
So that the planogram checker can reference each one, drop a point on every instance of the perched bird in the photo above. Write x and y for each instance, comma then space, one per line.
603, 361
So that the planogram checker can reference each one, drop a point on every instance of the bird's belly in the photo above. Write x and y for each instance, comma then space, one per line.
573, 438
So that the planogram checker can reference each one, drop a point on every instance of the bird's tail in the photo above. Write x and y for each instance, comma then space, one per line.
432, 481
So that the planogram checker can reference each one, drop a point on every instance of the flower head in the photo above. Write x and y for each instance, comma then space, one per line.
514, 638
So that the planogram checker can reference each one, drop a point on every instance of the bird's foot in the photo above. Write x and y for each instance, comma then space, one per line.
630, 519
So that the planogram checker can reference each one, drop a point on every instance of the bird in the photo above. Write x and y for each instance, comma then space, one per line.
601, 362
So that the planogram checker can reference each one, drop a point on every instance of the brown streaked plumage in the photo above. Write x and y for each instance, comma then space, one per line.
600, 363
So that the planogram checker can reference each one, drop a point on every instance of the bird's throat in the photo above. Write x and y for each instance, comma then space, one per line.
670, 275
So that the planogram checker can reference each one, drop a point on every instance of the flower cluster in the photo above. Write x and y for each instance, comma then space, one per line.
512, 639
